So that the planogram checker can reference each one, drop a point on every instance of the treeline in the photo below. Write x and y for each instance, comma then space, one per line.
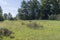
36, 10
5, 16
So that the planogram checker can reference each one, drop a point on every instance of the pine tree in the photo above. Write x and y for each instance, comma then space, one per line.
23, 12
1, 17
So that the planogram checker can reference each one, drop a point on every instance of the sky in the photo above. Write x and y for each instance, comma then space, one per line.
10, 6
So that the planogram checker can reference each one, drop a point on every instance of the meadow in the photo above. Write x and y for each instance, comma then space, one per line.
50, 30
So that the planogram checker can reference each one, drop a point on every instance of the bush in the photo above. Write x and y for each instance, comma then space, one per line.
30, 21
12, 37
53, 17
58, 17
22, 23
5, 32
34, 25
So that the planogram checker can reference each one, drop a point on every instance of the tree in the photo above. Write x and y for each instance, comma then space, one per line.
10, 16
46, 9
34, 9
1, 17
5, 16
22, 12
50, 7
55, 6
30, 10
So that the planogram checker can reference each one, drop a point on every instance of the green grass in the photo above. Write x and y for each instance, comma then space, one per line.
50, 31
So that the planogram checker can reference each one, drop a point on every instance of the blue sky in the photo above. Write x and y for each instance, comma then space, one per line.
10, 6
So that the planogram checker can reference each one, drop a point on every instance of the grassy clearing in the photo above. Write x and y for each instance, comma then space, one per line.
50, 31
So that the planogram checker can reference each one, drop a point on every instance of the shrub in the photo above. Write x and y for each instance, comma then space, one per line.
22, 23
12, 37
34, 25
53, 17
5, 32
30, 21
58, 17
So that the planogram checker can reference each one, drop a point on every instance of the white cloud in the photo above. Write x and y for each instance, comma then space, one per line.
8, 7
3, 2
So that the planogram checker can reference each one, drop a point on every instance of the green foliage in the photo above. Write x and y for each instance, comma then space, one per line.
29, 10
22, 13
35, 8
50, 7
1, 17
32, 9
